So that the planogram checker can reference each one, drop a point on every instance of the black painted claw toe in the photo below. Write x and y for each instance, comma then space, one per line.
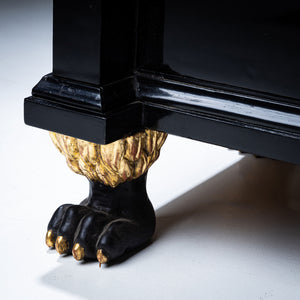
120, 237
70, 222
108, 224
88, 232
55, 223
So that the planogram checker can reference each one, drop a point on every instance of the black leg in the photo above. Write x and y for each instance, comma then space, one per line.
106, 225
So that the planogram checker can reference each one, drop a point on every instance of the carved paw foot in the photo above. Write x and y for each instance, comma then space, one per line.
107, 225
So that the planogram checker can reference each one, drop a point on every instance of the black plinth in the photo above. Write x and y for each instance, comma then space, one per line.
225, 73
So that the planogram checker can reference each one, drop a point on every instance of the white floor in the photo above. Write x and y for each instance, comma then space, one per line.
228, 226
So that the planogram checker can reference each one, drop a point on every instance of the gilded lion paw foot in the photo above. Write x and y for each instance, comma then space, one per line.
107, 225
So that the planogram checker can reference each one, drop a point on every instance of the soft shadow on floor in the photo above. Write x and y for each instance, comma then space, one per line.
256, 196
255, 202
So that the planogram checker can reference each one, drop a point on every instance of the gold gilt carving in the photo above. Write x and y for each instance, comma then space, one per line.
50, 239
101, 258
111, 164
78, 252
61, 245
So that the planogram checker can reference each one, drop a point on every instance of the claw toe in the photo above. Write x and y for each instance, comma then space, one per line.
101, 257
50, 239
61, 245
78, 252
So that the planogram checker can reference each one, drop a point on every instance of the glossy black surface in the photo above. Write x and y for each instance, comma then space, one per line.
93, 40
250, 44
222, 72
87, 96
84, 123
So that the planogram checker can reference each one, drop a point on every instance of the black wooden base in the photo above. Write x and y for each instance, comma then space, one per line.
209, 72
115, 220
257, 123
